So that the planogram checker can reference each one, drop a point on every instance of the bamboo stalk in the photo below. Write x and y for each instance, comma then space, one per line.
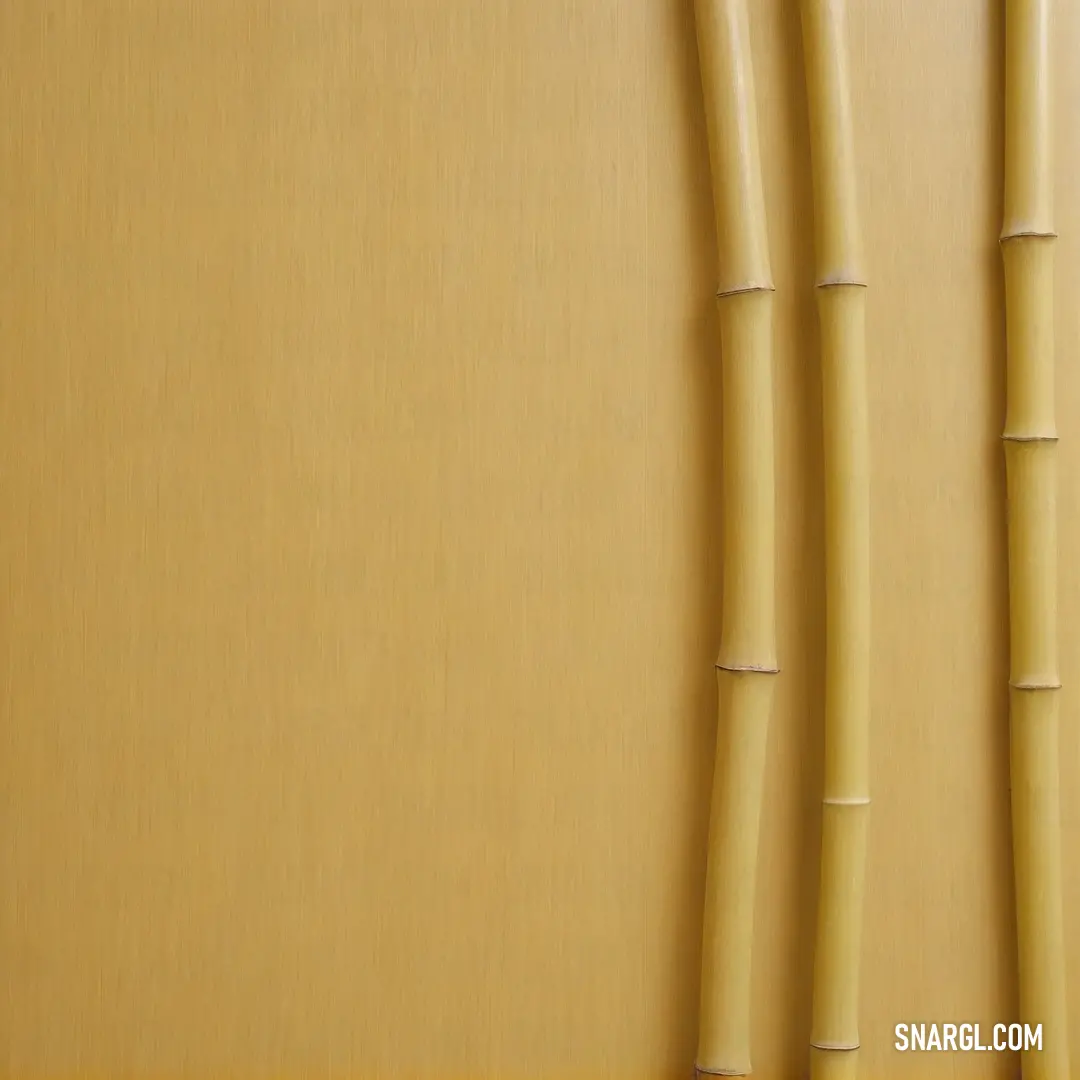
841, 293
747, 657
1030, 438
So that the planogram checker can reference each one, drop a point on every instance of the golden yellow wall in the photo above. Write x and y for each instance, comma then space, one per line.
359, 536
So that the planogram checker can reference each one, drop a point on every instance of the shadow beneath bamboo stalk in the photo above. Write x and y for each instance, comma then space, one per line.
803, 617
1002, 892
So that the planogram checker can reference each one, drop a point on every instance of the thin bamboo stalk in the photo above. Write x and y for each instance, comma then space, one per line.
841, 292
1030, 437
747, 657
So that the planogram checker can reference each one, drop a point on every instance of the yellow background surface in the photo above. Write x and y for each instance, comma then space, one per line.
360, 523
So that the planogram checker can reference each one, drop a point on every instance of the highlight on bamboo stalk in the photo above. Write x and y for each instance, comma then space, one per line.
747, 659
1030, 440
841, 294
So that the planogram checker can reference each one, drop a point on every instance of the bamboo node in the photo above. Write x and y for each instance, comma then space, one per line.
748, 669
1029, 438
842, 800
1035, 684
736, 290
842, 1047
701, 1071
836, 282
1027, 234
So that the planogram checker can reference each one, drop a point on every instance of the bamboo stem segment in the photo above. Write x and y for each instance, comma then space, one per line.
747, 658
1030, 437
841, 292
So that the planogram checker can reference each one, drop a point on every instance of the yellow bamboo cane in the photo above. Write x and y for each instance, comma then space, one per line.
747, 658
841, 292
1030, 437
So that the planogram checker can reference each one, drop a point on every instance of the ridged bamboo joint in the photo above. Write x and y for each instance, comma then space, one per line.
1030, 440
747, 663
841, 294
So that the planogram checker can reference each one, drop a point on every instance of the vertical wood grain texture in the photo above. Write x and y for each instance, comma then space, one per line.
358, 474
